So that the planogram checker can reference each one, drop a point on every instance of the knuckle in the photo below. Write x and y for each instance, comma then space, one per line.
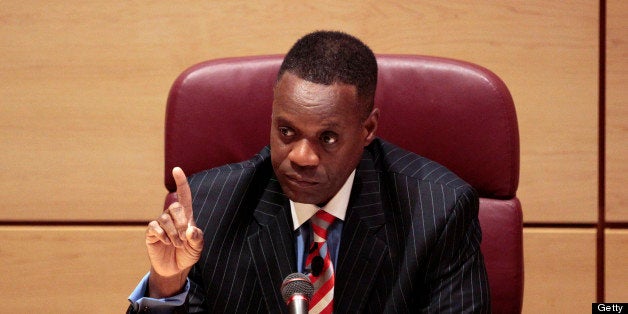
163, 218
153, 225
174, 204
154, 229
175, 207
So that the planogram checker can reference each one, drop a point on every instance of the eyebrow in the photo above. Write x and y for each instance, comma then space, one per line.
331, 125
281, 120
326, 124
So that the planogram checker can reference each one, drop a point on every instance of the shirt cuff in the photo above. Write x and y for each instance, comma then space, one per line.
165, 305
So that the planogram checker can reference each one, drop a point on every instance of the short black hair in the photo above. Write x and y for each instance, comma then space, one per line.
328, 57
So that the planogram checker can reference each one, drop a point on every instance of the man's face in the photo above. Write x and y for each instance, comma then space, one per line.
317, 137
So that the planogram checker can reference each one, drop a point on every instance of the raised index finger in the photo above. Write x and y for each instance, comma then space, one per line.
184, 195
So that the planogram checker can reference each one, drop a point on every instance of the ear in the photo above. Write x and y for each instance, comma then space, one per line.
370, 126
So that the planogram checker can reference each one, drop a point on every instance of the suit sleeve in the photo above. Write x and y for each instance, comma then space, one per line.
458, 281
140, 303
196, 296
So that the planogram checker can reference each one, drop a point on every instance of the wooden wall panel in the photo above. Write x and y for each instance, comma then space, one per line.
93, 269
83, 87
616, 266
70, 269
559, 270
617, 111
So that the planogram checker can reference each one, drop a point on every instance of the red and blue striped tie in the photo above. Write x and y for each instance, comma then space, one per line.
319, 265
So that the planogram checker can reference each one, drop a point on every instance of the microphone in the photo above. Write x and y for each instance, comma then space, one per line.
296, 290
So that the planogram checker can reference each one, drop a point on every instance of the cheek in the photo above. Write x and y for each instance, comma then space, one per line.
349, 158
278, 153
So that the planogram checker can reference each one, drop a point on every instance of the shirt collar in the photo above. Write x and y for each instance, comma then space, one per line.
337, 206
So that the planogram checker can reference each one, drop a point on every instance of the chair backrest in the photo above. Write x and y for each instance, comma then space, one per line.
456, 113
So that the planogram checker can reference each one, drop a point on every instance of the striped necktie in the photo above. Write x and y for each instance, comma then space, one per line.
318, 263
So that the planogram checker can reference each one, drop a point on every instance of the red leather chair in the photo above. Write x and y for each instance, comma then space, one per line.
453, 112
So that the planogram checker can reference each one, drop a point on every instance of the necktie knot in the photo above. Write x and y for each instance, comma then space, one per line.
320, 223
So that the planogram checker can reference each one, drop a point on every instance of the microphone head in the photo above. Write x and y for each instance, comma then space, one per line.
296, 283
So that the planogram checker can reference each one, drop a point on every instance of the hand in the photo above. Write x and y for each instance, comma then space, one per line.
174, 242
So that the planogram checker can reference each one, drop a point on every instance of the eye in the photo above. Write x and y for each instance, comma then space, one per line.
286, 132
329, 138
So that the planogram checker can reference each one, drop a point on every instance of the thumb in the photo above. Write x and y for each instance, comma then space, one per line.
194, 236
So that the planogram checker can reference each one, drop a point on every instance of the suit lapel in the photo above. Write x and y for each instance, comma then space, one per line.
271, 244
361, 253
361, 250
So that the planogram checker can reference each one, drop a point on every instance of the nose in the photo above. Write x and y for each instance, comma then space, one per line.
303, 154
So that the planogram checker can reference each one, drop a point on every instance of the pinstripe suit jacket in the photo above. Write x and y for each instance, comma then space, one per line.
410, 242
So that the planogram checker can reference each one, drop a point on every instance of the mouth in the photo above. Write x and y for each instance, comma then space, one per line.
299, 181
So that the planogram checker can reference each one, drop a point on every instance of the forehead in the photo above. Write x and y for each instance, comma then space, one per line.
295, 95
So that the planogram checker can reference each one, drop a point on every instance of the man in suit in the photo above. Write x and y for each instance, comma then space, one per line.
404, 238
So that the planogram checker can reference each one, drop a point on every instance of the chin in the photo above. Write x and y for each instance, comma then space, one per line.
305, 198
